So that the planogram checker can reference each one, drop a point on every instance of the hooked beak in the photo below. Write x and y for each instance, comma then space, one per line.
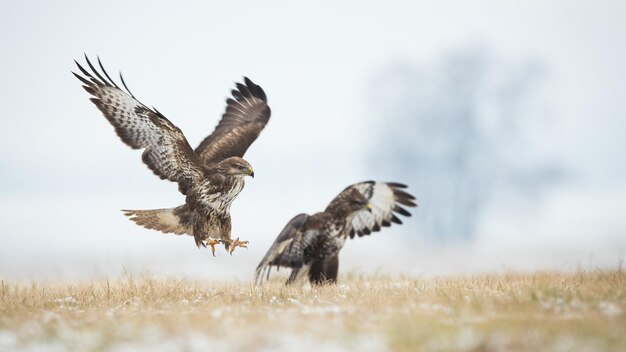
368, 207
251, 172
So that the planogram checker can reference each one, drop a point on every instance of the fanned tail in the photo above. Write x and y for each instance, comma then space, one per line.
164, 220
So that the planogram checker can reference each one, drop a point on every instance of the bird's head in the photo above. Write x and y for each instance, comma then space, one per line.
236, 166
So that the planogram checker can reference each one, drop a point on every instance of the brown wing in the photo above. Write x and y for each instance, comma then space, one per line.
245, 117
385, 200
167, 153
282, 248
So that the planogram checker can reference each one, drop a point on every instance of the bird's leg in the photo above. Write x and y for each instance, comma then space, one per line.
237, 243
234, 244
211, 243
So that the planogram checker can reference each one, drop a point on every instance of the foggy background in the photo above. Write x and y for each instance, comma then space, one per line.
506, 119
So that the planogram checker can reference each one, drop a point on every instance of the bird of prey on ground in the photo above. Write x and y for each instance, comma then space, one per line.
211, 176
310, 244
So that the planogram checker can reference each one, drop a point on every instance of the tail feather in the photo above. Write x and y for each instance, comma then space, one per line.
164, 220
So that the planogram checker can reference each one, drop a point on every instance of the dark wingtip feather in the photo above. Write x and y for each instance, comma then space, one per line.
407, 202
255, 89
397, 185
236, 94
243, 90
82, 69
402, 194
93, 69
81, 78
262, 94
125, 86
395, 219
398, 209
111, 81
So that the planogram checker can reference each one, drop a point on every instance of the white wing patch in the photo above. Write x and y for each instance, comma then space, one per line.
385, 199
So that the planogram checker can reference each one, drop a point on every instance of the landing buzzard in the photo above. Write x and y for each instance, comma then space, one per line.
210, 177
310, 244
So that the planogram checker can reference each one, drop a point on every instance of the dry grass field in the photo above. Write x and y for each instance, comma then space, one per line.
582, 311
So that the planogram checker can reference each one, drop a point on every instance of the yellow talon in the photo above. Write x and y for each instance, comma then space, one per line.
237, 243
211, 243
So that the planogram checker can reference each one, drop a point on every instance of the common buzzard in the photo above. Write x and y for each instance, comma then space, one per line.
310, 244
210, 177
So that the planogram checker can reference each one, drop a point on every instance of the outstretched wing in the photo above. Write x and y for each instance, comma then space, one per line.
283, 249
386, 200
167, 152
245, 117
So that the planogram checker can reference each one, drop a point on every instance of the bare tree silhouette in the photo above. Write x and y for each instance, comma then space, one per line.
451, 129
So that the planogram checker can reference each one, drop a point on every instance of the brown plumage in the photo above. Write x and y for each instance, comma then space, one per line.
310, 245
210, 177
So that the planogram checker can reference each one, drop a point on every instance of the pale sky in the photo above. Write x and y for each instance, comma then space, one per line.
65, 174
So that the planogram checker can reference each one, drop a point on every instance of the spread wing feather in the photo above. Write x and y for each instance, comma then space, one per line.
245, 117
284, 249
386, 200
166, 150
